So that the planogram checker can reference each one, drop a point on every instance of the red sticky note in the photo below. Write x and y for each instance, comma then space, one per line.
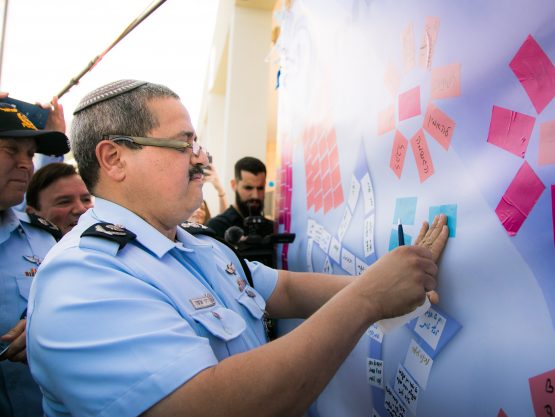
328, 201
510, 130
407, 38
318, 199
439, 125
535, 72
326, 181
422, 156
446, 81
429, 39
335, 175
409, 103
398, 153
519, 199
546, 152
542, 389
338, 195
386, 120
501, 413
553, 210
392, 79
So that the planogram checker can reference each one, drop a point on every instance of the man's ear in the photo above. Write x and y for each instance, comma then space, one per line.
30, 210
233, 184
110, 158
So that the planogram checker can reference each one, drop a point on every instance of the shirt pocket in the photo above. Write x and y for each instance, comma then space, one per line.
221, 322
252, 301
24, 286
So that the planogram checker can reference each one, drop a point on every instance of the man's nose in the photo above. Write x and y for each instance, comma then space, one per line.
201, 158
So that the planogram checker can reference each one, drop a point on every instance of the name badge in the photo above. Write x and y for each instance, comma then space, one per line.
207, 300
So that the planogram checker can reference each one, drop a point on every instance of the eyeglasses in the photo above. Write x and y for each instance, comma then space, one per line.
159, 142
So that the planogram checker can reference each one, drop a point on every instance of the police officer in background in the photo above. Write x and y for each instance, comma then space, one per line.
131, 314
24, 242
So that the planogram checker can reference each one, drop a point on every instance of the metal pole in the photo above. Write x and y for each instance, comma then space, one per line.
4, 23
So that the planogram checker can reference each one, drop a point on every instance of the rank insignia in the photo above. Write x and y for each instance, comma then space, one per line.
33, 259
230, 269
31, 272
241, 283
207, 300
251, 293
114, 232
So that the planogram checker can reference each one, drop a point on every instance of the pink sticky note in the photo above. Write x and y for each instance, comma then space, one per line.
398, 153
542, 389
446, 81
318, 200
338, 195
510, 130
439, 125
328, 201
386, 120
553, 210
409, 103
392, 79
429, 39
546, 153
422, 156
501, 413
519, 199
407, 38
535, 72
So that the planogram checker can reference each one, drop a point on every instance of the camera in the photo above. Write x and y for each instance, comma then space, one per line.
257, 240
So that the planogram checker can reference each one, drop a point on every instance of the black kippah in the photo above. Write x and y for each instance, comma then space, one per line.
107, 92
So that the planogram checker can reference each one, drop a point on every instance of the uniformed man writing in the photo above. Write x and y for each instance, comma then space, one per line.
130, 314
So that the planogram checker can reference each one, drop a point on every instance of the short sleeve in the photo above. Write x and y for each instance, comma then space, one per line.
264, 278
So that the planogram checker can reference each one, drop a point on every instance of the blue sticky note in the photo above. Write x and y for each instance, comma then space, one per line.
405, 209
450, 210
394, 239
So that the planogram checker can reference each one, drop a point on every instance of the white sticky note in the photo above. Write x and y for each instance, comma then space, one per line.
348, 261
327, 268
418, 363
430, 327
393, 404
335, 250
406, 388
354, 192
309, 246
344, 225
360, 266
367, 193
375, 332
369, 235
310, 228
374, 372
325, 239
390, 324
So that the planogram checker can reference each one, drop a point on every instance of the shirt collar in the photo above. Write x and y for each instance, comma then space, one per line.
8, 223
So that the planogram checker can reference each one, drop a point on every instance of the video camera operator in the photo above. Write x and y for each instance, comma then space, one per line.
243, 224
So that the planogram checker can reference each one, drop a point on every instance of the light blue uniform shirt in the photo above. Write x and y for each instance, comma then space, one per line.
22, 247
113, 331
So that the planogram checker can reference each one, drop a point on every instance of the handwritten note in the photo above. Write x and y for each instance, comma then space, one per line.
360, 266
353, 193
335, 250
398, 153
369, 235
374, 372
510, 130
348, 261
386, 120
536, 73
519, 199
542, 389
422, 156
344, 225
409, 103
429, 327
406, 388
446, 81
546, 153
393, 404
375, 332
429, 39
439, 125
327, 268
367, 193
407, 39
418, 363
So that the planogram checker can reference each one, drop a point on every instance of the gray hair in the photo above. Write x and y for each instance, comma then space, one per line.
124, 113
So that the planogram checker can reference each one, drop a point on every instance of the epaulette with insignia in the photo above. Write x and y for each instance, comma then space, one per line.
111, 232
47, 225
197, 229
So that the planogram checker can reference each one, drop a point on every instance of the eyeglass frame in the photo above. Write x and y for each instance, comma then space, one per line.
158, 142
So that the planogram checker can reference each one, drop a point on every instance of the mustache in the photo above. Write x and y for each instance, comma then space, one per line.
196, 169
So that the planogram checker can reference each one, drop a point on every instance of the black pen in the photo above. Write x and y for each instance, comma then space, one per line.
400, 234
